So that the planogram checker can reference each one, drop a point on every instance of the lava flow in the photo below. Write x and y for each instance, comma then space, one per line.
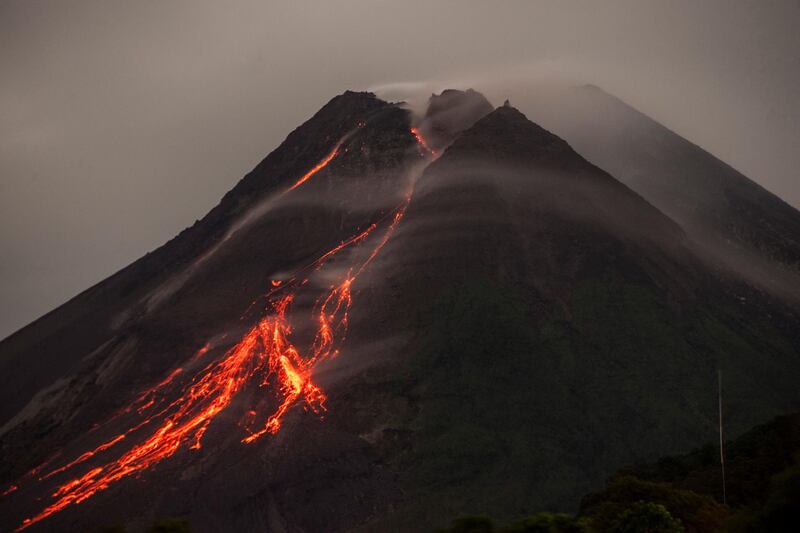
265, 353
319, 166
422, 142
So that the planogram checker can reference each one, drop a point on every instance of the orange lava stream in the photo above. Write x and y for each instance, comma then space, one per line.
422, 142
319, 166
264, 353
85, 456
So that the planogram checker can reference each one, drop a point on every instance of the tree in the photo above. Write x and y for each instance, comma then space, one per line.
647, 517
696, 512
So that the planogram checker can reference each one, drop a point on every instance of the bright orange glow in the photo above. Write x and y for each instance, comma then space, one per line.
421, 141
186, 403
85, 456
200, 353
319, 166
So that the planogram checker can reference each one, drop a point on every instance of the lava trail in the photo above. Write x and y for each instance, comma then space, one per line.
319, 166
422, 142
265, 355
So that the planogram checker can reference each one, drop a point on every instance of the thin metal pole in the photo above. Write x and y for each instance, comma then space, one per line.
721, 442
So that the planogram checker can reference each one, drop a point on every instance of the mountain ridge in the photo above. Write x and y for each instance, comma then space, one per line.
738, 222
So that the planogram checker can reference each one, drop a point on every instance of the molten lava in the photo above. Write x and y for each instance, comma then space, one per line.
319, 166
422, 142
265, 353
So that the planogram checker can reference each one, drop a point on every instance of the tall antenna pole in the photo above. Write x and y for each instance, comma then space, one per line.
721, 443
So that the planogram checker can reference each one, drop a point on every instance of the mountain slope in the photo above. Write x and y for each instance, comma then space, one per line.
562, 325
78, 326
738, 222
185, 304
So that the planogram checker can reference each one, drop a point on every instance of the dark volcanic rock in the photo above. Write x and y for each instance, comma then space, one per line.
560, 325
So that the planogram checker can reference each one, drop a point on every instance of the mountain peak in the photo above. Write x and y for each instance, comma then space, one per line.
451, 112
450, 99
505, 146
350, 103
351, 97
508, 134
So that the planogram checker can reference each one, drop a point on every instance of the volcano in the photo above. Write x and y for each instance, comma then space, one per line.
392, 320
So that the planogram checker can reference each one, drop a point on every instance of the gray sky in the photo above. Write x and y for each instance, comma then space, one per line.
122, 122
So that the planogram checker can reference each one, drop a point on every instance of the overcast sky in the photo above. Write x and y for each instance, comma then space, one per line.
121, 122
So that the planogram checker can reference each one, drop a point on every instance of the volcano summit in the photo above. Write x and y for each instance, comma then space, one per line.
393, 320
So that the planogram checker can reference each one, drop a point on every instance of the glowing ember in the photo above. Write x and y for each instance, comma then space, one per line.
421, 141
319, 166
265, 352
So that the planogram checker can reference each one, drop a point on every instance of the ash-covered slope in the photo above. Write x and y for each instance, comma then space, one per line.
364, 335
561, 325
741, 224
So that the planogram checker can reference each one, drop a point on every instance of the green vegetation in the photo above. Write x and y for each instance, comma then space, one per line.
647, 517
679, 493
624, 495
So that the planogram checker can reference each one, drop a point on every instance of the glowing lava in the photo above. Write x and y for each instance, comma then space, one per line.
422, 142
265, 353
319, 166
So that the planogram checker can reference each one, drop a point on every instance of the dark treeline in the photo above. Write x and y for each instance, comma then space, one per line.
684, 493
